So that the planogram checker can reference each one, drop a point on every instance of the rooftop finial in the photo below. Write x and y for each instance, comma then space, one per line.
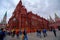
20, 2
56, 16
51, 20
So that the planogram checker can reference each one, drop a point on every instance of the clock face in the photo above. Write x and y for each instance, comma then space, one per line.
14, 19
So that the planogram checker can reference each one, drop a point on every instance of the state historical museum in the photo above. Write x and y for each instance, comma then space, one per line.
21, 19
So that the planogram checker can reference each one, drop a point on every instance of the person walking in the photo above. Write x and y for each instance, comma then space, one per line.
44, 32
20, 32
54, 31
39, 33
17, 33
13, 33
2, 34
21, 35
25, 35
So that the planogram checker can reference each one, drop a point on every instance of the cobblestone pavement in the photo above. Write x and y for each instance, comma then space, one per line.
50, 36
33, 36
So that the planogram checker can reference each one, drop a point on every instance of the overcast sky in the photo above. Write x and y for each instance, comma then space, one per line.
44, 8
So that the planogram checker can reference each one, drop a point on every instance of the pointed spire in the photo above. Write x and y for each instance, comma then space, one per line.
4, 18
19, 5
20, 2
5, 13
56, 16
48, 19
51, 20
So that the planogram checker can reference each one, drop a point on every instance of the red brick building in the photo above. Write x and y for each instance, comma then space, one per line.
21, 19
54, 23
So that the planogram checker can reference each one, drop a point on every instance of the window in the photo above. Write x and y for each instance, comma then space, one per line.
26, 23
34, 17
34, 23
14, 19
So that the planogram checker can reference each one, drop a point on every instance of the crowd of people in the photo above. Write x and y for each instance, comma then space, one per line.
4, 33
44, 31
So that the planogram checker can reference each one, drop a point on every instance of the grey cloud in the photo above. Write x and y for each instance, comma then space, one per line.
7, 4
44, 7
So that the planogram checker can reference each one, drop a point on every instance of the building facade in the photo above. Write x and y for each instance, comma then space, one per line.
21, 19
54, 23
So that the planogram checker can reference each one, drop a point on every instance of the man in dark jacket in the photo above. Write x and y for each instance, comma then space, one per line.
2, 34
39, 33
25, 35
54, 31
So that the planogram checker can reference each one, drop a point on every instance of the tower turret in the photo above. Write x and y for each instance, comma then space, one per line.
56, 17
